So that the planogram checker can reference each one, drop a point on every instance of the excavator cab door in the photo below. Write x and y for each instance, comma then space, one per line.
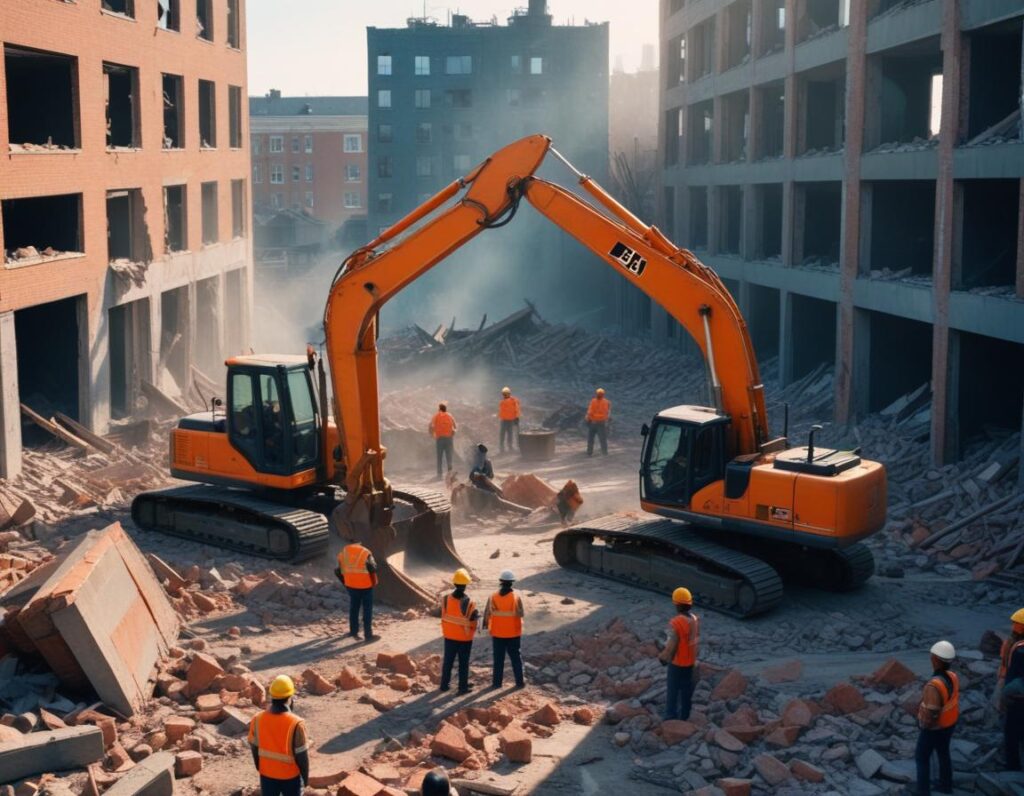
681, 457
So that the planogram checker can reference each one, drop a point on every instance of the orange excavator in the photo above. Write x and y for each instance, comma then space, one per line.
735, 506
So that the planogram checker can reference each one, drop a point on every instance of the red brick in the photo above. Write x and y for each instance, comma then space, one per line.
450, 742
893, 674
117, 758
845, 698
515, 744
788, 672
316, 683
732, 786
327, 773
797, 713
358, 784
674, 731
203, 670
187, 764
728, 741
348, 680
805, 771
547, 715
202, 602
399, 682
583, 715
771, 769
732, 686
177, 727
782, 737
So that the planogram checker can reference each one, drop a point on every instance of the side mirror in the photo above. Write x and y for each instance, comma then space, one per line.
645, 430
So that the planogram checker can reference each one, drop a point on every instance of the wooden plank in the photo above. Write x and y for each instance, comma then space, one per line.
82, 432
60, 433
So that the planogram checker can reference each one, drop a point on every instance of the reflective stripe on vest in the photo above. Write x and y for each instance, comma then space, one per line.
687, 629
505, 618
456, 625
352, 563
950, 711
273, 734
1007, 655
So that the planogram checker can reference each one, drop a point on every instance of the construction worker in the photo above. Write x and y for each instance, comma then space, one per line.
1011, 680
436, 783
599, 413
503, 617
443, 427
937, 716
458, 624
358, 571
680, 656
481, 472
508, 414
278, 740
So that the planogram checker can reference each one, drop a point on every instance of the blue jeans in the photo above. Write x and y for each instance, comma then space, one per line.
597, 429
508, 429
280, 787
446, 449
502, 647
679, 694
936, 741
360, 599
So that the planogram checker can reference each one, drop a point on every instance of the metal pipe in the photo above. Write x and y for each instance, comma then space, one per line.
716, 385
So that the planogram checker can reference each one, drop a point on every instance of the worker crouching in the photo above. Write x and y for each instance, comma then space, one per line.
458, 625
358, 571
278, 740
503, 617
680, 656
937, 716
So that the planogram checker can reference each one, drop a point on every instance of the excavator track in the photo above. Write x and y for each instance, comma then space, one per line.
235, 520
660, 554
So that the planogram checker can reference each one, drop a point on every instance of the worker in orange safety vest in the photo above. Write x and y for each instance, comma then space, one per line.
1011, 686
599, 414
458, 625
503, 617
442, 428
680, 656
279, 746
357, 569
937, 715
508, 415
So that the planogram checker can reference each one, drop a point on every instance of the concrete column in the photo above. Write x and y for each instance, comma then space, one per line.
714, 218
10, 411
788, 221
93, 367
717, 129
867, 198
748, 223
756, 32
799, 215
785, 336
861, 362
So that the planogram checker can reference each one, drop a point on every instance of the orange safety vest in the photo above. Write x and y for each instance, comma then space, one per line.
505, 619
273, 734
687, 629
508, 409
1006, 653
352, 563
950, 701
456, 624
443, 425
599, 411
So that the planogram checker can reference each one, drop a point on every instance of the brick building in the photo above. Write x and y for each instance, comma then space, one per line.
854, 171
123, 191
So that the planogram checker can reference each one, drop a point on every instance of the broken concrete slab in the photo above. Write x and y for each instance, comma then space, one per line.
152, 776
57, 750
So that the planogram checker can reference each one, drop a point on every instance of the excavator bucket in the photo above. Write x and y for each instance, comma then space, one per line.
415, 554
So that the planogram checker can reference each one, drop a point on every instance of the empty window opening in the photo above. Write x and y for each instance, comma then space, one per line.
676, 71
122, 92
211, 215
128, 336
702, 49
234, 311
730, 231
458, 98
896, 369
739, 21
238, 208
702, 130
209, 358
985, 362
902, 228
698, 218
41, 227
763, 319
995, 87
988, 248
174, 112
673, 135
48, 339
768, 240
234, 25
235, 119
812, 341
204, 19
773, 27
822, 100
127, 236
735, 126
819, 223
175, 341
904, 103
42, 93
123, 7
175, 219
168, 14
820, 17
207, 114
769, 131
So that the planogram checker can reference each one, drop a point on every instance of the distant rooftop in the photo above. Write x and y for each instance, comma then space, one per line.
536, 14
273, 104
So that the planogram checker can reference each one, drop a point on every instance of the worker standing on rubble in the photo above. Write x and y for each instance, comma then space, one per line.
599, 413
1011, 681
458, 625
278, 740
508, 414
503, 617
680, 656
358, 571
937, 716
443, 427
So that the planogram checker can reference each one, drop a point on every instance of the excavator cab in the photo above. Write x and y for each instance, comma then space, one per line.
684, 451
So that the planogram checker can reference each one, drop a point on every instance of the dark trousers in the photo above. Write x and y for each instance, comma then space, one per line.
446, 449
360, 599
502, 647
280, 787
1013, 736
508, 429
453, 649
679, 693
599, 430
936, 741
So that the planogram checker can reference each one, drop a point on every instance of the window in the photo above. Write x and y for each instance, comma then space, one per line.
174, 112
383, 64
276, 143
424, 166
462, 163
204, 19
211, 231
458, 98
536, 66
123, 7
255, 144
458, 65
354, 143
234, 25
296, 173
122, 87
309, 198
422, 98
424, 132
175, 219
384, 201
353, 173
43, 222
295, 143
168, 14
352, 200
385, 133
305, 439
125, 227
422, 65
276, 174
234, 117
237, 208
384, 166
257, 173
309, 172
308, 141
463, 131
207, 114
515, 97
384, 98
41, 97
517, 65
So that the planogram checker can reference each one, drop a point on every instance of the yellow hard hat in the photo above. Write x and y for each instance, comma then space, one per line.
1018, 617
600, 390
506, 390
682, 596
461, 578
282, 687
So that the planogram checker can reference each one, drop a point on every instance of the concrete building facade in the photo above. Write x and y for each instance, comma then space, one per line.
854, 171
125, 218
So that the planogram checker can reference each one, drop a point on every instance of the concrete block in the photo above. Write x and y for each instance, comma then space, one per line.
58, 750
153, 776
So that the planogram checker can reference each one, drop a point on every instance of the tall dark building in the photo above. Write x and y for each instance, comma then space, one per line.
442, 98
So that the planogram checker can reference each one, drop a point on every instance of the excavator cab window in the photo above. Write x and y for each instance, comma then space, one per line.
681, 459
305, 440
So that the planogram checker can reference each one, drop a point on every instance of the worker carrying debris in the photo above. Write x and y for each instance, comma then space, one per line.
508, 414
503, 617
458, 625
443, 428
599, 414
278, 740
1011, 679
680, 656
357, 569
937, 716
481, 472
436, 783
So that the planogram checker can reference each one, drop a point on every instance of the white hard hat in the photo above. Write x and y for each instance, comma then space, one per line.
944, 651
507, 574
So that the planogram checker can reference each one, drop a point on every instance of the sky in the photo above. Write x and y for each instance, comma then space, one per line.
322, 49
